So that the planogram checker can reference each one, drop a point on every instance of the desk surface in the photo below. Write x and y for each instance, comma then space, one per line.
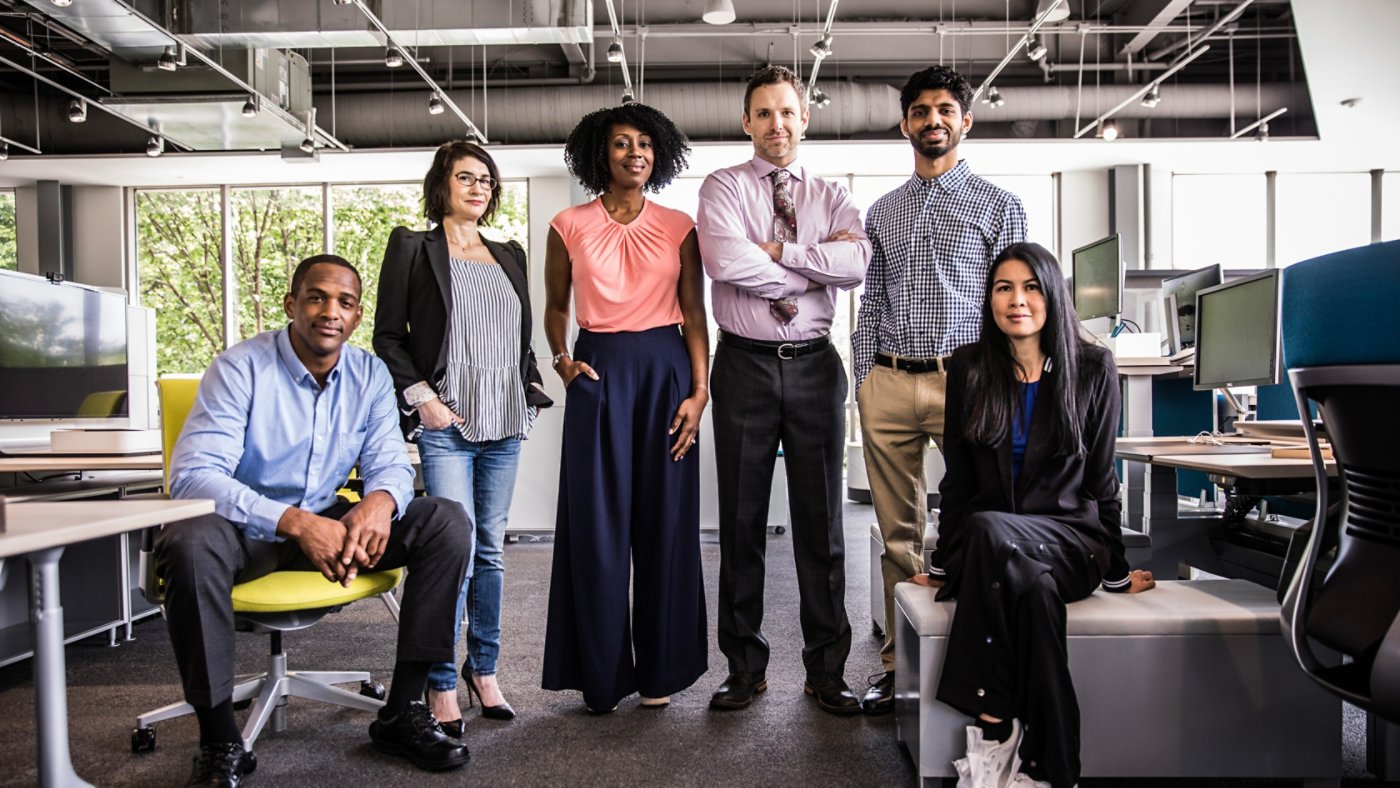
20, 463
41, 525
1243, 466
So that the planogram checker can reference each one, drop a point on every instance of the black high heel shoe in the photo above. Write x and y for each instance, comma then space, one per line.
501, 712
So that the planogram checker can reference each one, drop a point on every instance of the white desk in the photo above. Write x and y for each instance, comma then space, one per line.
1137, 375
40, 531
29, 463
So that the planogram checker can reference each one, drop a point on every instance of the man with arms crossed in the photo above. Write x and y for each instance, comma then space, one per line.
934, 239
779, 243
279, 421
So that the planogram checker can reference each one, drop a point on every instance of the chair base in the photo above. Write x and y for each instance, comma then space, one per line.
269, 692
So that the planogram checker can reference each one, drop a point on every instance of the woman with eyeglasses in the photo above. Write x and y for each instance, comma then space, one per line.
453, 326
636, 382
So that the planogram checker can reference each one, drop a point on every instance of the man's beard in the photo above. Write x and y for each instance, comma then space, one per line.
934, 150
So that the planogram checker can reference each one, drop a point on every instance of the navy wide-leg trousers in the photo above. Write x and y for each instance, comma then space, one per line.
627, 511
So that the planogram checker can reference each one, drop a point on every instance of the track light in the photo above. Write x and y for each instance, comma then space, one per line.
308, 146
719, 12
63, 3
627, 96
435, 106
1152, 98
1036, 49
155, 146
344, 2
169, 60
1262, 135
250, 107
615, 51
1108, 130
822, 49
393, 58
77, 111
993, 97
819, 99
4, 151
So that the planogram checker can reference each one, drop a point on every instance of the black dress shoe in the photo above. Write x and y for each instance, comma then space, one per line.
415, 735
500, 712
879, 699
738, 691
832, 694
224, 764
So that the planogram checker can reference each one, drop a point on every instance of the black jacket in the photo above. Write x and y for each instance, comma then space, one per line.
1080, 491
415, 300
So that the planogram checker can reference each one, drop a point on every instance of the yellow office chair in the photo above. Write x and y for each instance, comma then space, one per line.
273, 604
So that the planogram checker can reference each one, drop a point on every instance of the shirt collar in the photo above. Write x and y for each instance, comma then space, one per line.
764, 168
293, 365
950, 181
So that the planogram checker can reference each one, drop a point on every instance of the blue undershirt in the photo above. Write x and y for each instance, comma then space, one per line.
1021, 429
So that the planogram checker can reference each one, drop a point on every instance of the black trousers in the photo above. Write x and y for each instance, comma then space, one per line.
202, 559
760, 401
1006, 653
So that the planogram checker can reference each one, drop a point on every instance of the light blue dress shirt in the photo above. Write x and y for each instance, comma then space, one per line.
263, 436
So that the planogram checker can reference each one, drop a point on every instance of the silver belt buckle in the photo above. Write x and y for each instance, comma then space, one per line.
787, 348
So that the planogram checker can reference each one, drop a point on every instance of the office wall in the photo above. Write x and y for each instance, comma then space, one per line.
1083, 209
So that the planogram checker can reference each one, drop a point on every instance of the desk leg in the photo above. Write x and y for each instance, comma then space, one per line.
50, 692
1137, 423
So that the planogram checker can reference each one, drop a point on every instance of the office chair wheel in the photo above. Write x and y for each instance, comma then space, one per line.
143, 740
372, 689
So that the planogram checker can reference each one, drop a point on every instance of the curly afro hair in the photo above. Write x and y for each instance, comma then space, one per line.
586, 150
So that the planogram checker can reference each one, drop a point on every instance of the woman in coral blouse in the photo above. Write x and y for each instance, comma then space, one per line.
636, 383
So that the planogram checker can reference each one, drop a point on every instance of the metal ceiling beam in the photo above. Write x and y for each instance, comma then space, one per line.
1189, 40
1169, 11
1140, 92
1015, 48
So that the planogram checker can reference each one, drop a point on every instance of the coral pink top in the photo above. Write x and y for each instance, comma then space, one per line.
624, 275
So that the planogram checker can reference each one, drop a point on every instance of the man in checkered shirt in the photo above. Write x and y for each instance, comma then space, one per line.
934, 239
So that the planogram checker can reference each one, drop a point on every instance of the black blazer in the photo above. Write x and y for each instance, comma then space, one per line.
415, 300
1080, 491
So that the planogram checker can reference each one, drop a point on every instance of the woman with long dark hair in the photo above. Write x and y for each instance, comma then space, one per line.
636, 381
1030, 521
453, 326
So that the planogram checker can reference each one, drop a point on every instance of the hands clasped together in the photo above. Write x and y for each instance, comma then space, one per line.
339, 549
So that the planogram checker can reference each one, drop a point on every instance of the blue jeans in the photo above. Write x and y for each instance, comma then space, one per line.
480, 476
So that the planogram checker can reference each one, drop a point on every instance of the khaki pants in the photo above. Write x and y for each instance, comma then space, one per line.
900, 412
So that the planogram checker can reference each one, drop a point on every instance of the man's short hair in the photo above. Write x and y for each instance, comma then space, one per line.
299, 275
936, 78
773, 75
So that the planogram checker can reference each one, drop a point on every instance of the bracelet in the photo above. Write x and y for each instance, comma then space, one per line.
557, 357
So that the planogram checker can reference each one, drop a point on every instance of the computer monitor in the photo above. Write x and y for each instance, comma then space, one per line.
1183, 287
1237, 333
1098, 279
63, 350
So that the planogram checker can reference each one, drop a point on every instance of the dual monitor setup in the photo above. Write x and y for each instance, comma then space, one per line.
77, 356
1232, 326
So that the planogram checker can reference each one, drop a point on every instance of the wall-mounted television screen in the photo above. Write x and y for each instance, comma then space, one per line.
63, 350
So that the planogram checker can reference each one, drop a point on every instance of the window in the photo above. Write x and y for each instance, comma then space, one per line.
1219, 219
1037, 193
1321, 213
362, 218
179, 275
273, 230
9, 260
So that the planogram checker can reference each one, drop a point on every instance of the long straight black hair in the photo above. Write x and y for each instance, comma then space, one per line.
992, 376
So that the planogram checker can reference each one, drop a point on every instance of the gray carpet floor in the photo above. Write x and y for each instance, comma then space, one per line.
782, 739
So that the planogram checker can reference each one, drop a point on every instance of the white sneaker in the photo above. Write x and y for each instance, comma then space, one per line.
989, 764
1022, 780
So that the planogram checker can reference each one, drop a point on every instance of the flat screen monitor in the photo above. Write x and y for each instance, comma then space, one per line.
1098, 279
1184, 288
1237, 333
63, 350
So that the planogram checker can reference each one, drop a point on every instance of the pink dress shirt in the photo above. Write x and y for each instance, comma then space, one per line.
736, 214
624, 275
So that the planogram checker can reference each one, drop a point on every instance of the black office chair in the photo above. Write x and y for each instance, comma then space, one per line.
1341, 344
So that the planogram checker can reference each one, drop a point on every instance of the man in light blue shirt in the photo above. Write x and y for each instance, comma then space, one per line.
279, 422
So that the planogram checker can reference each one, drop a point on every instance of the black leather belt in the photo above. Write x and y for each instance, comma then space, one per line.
783, 350
911, 364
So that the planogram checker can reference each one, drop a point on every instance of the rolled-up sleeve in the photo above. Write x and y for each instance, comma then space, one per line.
384, 458
211, 446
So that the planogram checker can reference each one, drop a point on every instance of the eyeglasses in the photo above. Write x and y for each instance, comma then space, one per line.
466, 180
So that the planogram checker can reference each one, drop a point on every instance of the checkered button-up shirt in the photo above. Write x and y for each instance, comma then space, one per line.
933, 244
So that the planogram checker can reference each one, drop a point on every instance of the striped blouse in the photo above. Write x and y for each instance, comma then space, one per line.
483, 384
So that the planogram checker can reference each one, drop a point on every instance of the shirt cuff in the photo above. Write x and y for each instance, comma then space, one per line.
419, 393
266, 513
793, 254
796, 283
401, 498
1118, 586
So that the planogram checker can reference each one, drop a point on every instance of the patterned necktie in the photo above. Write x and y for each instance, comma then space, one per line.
784, 230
